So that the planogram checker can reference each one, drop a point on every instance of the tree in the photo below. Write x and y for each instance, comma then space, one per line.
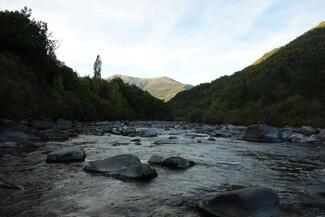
58, 85
97, 67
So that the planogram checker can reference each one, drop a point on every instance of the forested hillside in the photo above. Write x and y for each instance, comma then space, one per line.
35, 84
285, 87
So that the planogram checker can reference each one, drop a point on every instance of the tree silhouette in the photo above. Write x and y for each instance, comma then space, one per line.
97, 67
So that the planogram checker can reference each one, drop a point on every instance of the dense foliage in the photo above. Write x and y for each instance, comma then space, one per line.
284, 87
33, 83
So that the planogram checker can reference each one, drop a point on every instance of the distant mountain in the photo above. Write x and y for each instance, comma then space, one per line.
286, 86
160, 87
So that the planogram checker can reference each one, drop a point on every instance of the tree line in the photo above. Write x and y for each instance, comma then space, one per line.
35, 84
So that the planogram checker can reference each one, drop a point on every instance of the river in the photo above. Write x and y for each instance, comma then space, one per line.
292, 170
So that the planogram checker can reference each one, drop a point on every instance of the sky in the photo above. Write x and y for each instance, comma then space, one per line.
191, 41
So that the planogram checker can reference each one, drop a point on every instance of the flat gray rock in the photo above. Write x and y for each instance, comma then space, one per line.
66, 154
124, 166
148, 133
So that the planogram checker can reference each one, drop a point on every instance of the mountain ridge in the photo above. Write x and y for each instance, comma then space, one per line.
162, 87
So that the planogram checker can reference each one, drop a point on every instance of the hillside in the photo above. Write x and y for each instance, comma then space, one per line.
35, 84
284, 87
160, 87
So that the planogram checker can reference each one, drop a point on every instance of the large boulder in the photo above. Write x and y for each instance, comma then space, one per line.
262, 133
125, 166
148, 133
66, 154
308, 131
177, 163
246, 202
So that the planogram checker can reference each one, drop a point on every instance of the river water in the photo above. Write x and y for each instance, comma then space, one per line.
294, 171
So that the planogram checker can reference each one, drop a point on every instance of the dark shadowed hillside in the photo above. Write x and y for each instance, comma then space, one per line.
35, 84
161, 87
285, 87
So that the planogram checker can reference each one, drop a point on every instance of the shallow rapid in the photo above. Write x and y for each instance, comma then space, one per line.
292, 170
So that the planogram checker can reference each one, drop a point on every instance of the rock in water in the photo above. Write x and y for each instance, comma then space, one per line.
125, 166
211, 138
139, 171
136, 139
177, 163
163, 142
129, 131
148, 133
156, 159
308, 131
247, 202
66, 154
262, 133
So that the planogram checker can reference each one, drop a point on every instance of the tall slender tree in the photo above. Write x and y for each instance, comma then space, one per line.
97, 67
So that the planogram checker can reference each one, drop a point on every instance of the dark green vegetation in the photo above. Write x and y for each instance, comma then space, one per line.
35, 84
163, 88
284, 87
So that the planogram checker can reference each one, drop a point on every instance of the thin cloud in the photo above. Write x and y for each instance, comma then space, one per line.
191, 41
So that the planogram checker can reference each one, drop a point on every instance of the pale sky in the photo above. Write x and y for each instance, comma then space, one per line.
192, 41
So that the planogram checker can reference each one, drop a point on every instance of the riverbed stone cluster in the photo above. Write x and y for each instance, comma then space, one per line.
14, 133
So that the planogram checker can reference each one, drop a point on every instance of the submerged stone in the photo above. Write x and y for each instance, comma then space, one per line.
246, 202
177, 163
